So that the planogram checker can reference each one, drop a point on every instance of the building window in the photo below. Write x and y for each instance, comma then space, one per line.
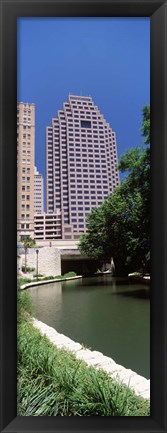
85, 124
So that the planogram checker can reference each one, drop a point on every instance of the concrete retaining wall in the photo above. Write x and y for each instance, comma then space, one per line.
49, 260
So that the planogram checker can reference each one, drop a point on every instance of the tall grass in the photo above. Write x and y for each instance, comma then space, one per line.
24, 305
52, 382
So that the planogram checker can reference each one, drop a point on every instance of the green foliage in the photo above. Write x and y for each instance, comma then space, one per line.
146, 124
98, 271
52, 382
28, 269
120, 228
24, 305
23, 281
51, 277
28, 242
69, 274
94, 243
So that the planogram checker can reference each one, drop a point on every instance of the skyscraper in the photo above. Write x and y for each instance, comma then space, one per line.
81, 160
38, 192
25, 169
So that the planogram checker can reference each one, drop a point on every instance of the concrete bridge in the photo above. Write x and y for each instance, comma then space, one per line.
73, 260
58, 257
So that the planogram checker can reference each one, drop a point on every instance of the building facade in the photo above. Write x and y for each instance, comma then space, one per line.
38, 192
25, 169
81, 163
47, 226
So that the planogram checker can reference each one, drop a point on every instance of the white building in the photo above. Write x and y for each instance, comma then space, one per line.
47, 226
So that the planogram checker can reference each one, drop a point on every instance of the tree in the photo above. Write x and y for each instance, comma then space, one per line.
120, 228
146, 124
28, 242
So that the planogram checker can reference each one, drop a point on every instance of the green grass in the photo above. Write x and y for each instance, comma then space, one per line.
24, 280
24, 305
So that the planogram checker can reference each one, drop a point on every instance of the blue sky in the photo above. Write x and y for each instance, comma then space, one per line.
106, 58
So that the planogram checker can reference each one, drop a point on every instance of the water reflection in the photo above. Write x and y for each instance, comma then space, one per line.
102, 313
143, 293
47, 298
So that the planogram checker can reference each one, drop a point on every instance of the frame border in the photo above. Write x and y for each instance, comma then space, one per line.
10, 11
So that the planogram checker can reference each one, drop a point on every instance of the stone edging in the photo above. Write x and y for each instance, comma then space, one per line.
140, 385
55, 280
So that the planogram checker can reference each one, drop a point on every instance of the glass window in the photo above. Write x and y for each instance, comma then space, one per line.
85, 124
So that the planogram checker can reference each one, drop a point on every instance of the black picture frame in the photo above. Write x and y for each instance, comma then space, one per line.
10, 11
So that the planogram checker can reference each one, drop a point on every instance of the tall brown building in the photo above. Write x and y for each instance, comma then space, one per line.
81, 163
25, 169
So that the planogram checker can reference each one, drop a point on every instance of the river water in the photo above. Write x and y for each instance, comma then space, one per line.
108, 315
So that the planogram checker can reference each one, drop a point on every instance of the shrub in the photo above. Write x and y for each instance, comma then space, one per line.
70, 274
28, 269
50, 277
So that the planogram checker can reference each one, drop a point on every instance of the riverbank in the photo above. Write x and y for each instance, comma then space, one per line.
47, 281
52, 381
137, 278
139, 384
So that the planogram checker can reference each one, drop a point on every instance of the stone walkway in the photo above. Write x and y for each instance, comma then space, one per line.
140, 385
